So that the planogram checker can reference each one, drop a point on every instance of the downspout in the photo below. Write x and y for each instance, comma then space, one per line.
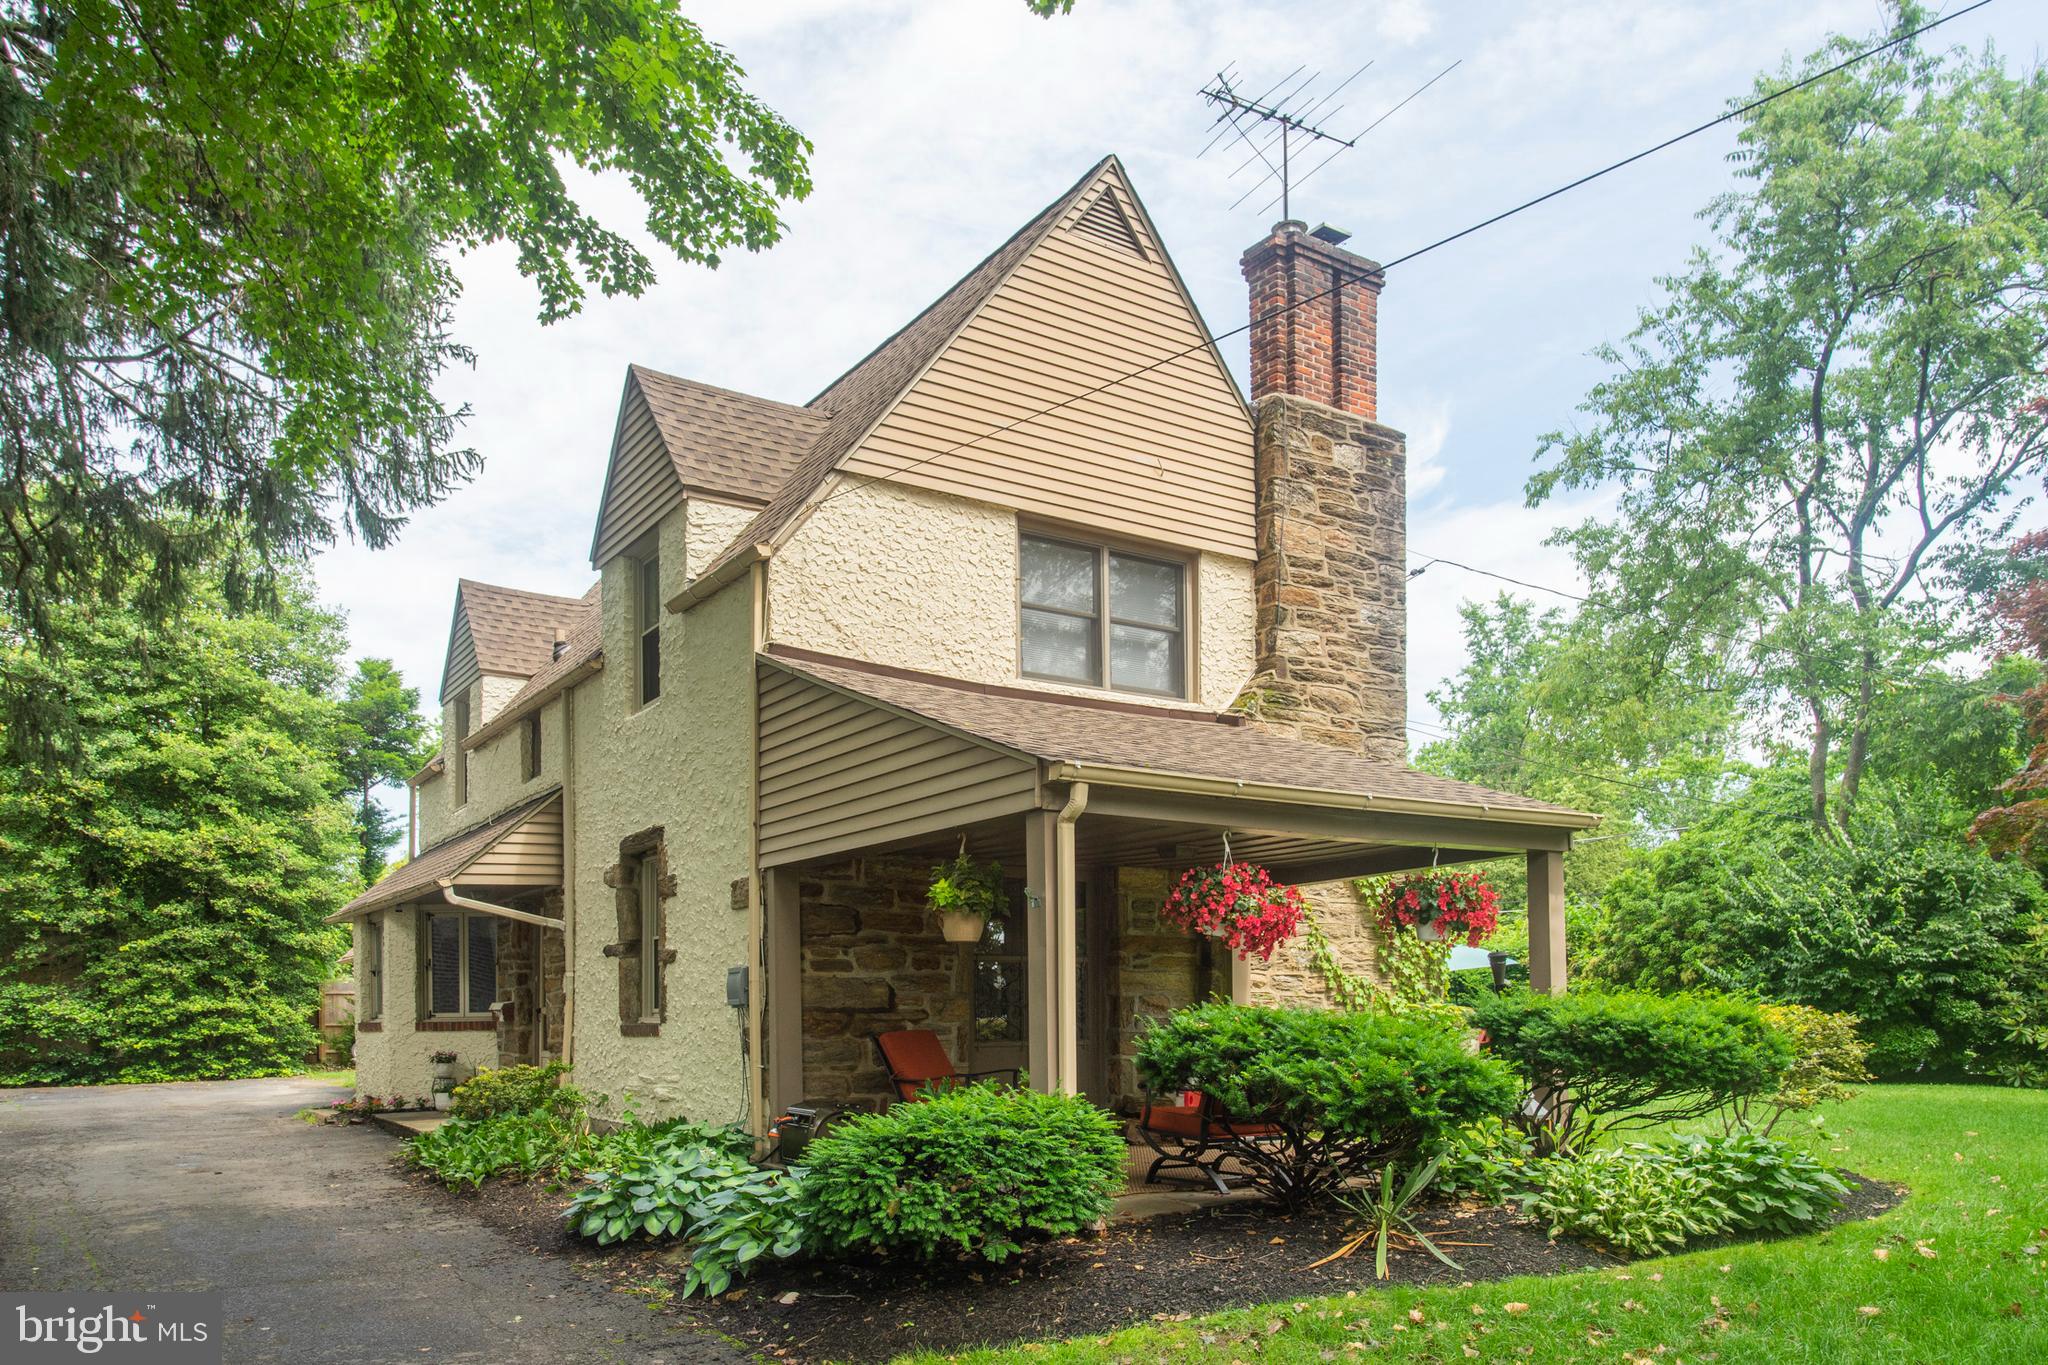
568, 876
757, 1098
1065, 917
412, 817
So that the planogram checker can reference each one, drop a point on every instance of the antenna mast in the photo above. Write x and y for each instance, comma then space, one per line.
1237, 111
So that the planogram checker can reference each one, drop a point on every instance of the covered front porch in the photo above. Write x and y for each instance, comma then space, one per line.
870, 778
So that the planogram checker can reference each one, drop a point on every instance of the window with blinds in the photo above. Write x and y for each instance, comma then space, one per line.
462, 964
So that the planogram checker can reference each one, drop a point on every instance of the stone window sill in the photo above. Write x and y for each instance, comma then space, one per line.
455, 1025
646, 1028
369, 1026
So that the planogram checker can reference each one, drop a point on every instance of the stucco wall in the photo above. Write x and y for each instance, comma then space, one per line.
497, 780
711, 527
684, 763
392, 1060
924, 580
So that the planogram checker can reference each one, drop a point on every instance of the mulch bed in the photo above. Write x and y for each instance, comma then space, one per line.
1159, 1269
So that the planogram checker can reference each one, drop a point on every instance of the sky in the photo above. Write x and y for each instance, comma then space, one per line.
941, 126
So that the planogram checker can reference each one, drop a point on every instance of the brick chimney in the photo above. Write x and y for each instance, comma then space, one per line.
1331, 575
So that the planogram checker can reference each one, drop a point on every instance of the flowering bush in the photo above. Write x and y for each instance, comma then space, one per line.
1238, 903
1458, 903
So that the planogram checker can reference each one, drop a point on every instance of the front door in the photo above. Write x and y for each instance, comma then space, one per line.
1000, 1027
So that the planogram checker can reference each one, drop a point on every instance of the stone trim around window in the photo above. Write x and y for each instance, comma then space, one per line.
452, 1026
623, 877
370, 1026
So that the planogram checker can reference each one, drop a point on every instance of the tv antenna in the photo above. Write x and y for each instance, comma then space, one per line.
1273, 120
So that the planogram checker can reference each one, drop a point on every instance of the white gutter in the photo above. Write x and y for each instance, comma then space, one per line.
1147, 779
448, 894
727, 573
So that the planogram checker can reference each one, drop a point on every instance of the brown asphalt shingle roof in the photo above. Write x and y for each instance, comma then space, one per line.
514, 630
584, 644
727, 443
859, 398
444, 859
1196, 744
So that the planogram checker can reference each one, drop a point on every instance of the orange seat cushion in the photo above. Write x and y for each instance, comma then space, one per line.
914, 1056
1185, 1120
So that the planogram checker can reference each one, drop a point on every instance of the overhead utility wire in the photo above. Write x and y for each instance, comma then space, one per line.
1434, 560
1735, 113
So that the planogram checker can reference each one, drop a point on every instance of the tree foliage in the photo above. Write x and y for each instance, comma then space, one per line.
226, 291
2017, 824
1940, 951
1833, 405
383, 739
162, 903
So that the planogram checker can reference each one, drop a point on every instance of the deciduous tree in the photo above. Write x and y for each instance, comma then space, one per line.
383, 739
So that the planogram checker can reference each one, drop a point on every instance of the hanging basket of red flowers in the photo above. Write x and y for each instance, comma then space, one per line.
1437, 905
1238, 903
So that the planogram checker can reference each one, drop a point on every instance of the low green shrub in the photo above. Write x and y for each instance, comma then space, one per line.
1644, 1199
1629, 1058
518, 1090
1618, 1198
1828, 1056
635, 1141
1349, 1092
971, 1171
735, 1225
470, 1151
647, 1190
1488, 1160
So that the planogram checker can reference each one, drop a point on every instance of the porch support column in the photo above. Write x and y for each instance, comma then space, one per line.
1052, 975
782, 958
1546, 921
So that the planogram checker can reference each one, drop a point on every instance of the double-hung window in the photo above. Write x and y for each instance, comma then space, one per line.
372, 1003
652, 948
462, 964
1102, 617
529, 746
647, 624
458, 753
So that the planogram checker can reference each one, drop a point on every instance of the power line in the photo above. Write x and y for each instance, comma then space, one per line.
1488, 573
1586, 179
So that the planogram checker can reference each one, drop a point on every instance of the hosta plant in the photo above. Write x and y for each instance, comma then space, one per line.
1239, 903
650, 1194
1623, 1201
736, 1225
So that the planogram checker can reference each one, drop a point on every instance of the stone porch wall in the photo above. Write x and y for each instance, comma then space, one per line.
1159, 969
1291, 977
873, 960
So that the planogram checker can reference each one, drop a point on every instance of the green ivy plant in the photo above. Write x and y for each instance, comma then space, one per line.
964, 885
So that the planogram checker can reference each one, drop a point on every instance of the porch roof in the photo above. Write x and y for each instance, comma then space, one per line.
520, 848
1133, 744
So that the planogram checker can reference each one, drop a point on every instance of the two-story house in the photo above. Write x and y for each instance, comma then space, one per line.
1031, 577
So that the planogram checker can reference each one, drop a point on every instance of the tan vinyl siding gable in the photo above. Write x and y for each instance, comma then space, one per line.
1166, 455
641, 486
837, 771
529, 856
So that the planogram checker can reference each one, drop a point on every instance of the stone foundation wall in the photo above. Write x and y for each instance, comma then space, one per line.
1291, 978
532, 983
873, 960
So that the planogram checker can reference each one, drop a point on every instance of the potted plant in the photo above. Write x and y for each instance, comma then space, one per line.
1237, 902
966, 894
444, 1076
1437, 904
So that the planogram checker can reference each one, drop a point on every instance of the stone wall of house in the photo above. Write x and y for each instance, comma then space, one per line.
1291, 978
873, 960
530, 977
1331, 579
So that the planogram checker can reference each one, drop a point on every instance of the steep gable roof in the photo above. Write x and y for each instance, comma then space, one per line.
676, 437
861, 397
582, 653
508, 632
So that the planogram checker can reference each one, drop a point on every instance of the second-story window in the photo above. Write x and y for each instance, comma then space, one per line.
458, 756
647, 624
1101, 617
529, 746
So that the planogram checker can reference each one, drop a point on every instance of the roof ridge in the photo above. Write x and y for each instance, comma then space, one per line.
803, 409
462, 582
1065, 197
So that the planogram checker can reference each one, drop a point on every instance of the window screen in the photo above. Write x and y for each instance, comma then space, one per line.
444, 947
649, 601
482, 973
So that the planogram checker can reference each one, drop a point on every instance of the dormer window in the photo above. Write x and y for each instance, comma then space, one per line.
647, 623
1101, 617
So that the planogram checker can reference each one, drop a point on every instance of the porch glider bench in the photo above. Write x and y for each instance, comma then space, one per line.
1196, 1137
916, 1061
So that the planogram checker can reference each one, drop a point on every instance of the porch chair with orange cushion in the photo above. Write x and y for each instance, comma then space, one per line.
1195, 1136
915, 1059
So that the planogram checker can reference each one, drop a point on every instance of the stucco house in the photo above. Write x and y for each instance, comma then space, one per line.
1033, 575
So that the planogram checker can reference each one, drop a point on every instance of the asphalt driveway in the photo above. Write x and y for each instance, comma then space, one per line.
322, 1252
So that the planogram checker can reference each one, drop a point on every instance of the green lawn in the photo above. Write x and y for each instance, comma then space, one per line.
1955, 1273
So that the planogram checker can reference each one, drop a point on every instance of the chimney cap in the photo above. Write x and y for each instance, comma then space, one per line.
1335, 236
